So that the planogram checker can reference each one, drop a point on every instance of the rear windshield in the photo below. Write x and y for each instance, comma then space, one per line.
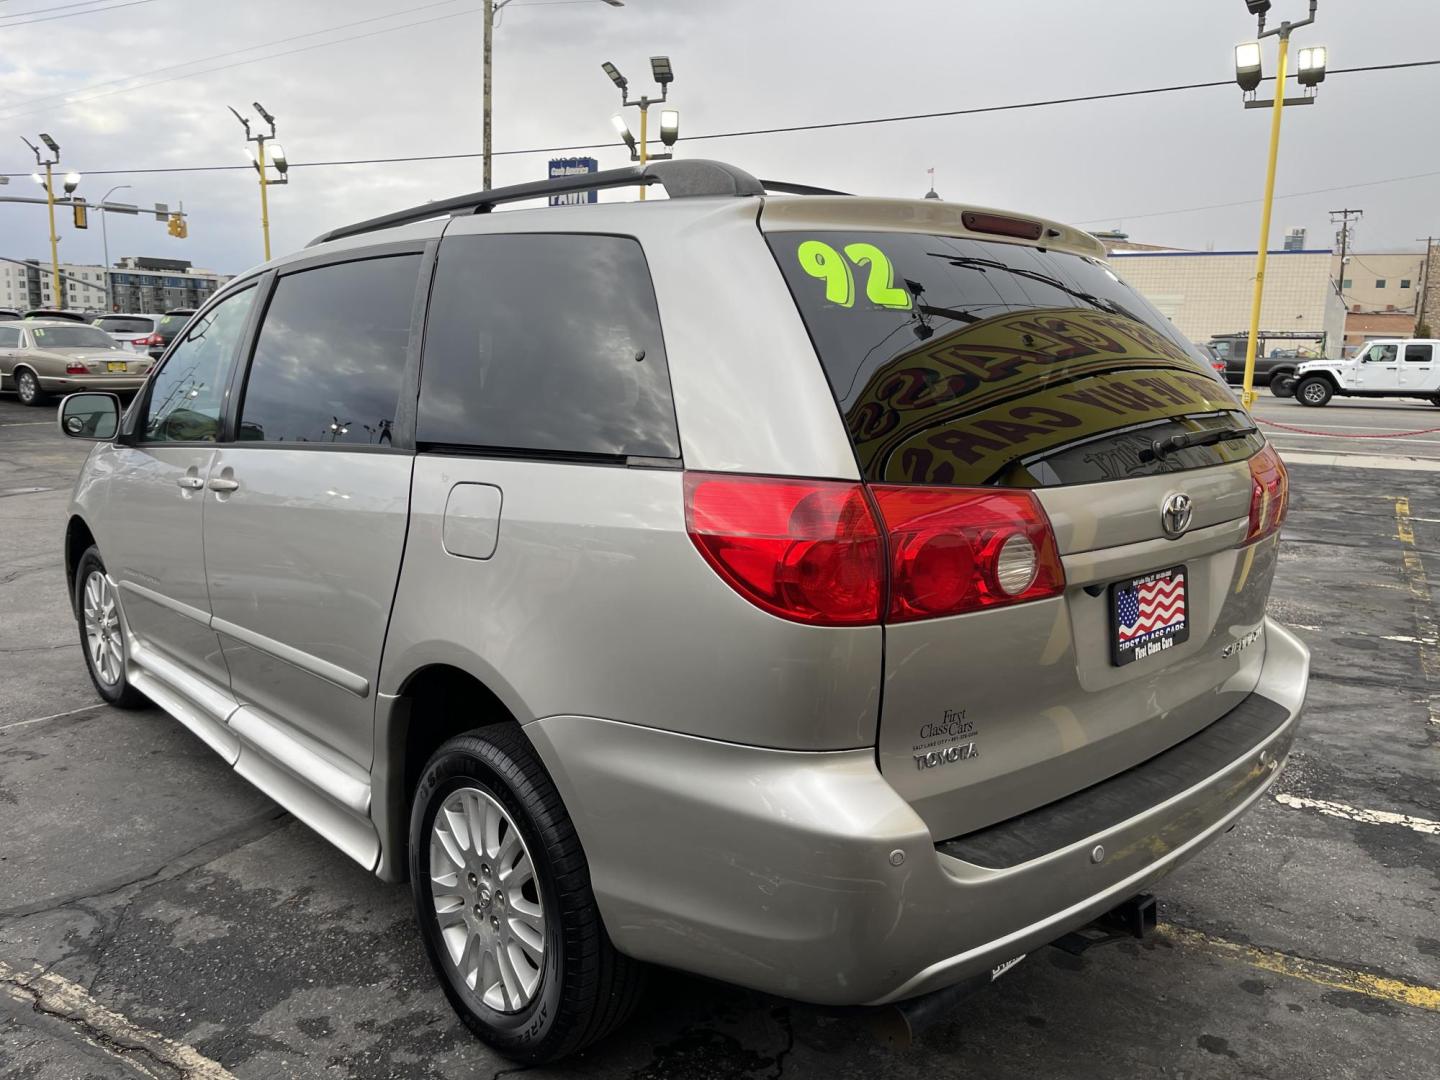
969, 362
119, 324
71, 337
172, 324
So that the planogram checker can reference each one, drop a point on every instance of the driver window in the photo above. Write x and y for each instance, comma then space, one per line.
187, 394
1381, 354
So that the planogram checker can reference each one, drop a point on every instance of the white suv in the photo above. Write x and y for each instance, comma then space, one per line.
1396, 367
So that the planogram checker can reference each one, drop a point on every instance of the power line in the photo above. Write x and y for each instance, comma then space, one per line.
218, 56
821, 126
57, 7
73, 14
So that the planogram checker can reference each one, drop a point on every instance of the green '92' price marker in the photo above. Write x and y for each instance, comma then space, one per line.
820, 260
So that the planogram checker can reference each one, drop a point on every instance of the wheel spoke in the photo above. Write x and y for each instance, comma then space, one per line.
532, 940
509, 977
448, 844
458, 826
456, 939
494, 819
519, 874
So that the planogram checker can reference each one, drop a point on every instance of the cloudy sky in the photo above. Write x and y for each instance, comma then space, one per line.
144, 84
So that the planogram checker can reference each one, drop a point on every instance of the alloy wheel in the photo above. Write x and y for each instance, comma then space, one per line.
102, 628
26, 387
487, 900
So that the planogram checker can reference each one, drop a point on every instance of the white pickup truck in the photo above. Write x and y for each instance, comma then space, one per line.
1398, 367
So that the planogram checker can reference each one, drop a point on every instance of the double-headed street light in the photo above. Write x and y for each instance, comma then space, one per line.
1310, 72
664, 75
72, 181
257, 159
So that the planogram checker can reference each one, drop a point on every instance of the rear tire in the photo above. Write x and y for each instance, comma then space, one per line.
102, 632
565, 985
1314, 391
1283, 385
27, 386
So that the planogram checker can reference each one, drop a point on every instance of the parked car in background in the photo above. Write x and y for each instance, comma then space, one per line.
7, 314
897, 608
40, 357
170, 324
1274, 367
135, 332
1398, 368
56, 313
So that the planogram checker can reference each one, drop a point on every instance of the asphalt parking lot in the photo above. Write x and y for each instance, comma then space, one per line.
160, 918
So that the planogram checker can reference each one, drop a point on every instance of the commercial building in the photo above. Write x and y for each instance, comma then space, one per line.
1209, 293
137, 284
1380, 281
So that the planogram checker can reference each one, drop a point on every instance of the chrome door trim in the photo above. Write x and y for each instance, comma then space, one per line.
349, 789
202, 617
321, 669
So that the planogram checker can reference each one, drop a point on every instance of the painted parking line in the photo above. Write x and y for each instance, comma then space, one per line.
52, 716
1330, 976
1368, 817
27, 423
1426, 628
148, 1052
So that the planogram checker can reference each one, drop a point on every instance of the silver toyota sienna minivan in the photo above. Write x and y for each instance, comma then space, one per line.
836, 596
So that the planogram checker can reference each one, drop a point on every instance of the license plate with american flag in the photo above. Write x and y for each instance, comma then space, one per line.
1147, 615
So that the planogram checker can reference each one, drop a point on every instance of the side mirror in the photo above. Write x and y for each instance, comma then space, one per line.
90, 416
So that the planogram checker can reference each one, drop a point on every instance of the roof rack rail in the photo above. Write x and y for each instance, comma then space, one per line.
686, 178
784, 187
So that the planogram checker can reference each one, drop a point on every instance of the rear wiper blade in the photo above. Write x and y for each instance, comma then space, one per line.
1168, 445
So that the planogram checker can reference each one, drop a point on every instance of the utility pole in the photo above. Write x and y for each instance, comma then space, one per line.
1423, 293
282, 165
1343, 219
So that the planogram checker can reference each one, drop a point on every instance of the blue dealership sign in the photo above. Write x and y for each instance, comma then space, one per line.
573, 166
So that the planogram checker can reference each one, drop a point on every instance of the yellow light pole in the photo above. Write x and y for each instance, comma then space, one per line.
278, 159
1248, 75
669, 118
48, 163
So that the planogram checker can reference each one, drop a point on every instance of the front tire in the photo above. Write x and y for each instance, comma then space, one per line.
1314, 391
503, 898
27, 386
102, 632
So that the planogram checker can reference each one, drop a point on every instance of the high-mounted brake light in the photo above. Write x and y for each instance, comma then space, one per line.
812, 551
1269, 495
1001, 225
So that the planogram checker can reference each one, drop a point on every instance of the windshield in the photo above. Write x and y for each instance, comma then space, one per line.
123, 324
959, 361
72, 337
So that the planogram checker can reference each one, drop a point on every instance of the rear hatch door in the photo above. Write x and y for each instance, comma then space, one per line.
973, 362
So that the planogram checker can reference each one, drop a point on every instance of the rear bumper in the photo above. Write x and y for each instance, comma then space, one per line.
71, 384
806, 875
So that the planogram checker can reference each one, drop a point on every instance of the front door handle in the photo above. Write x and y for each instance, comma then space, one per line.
218, 484
192, 483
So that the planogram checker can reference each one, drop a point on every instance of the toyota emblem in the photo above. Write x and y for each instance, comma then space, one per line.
1176, 513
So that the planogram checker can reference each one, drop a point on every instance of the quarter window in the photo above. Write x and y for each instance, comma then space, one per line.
188, 393
330, 356
546, 343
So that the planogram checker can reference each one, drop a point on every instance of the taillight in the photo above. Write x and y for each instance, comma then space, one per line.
76, 368
953, 550
811, 550
144, 342
805, 550
1269, 495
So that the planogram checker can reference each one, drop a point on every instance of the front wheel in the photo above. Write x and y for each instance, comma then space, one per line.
27, 386
102, 632
1314, 391
502, 894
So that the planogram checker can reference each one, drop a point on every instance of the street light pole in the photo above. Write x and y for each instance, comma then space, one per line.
264, 196
1248, 76
664, 75
105, 243
282, 165
54, 239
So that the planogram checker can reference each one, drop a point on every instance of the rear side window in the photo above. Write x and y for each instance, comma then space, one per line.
546, 343
330, 355
1419, 354
9, 338
971, 362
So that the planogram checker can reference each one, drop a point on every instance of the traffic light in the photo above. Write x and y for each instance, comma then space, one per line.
177, 227
81, 218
